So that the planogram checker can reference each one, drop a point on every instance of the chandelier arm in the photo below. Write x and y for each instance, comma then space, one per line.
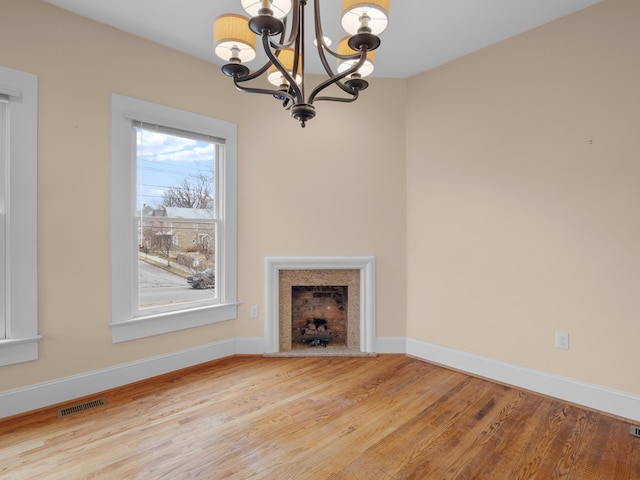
320, 43
322, 46
318, 26
325, 63
276, 93
296, 65
323, 58
329, 71
338, 77
294, 29
276, 63
296, 56
255, 74
299, 57
260, 71
353, 93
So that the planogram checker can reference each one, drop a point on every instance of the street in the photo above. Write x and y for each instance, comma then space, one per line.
159, 287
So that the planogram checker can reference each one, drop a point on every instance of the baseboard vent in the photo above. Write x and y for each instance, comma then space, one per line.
634, 430
81, 407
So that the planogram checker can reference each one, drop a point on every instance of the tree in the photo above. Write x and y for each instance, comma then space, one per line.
195, 191
166, 242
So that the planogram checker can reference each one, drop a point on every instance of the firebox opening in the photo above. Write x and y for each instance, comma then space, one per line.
319, 316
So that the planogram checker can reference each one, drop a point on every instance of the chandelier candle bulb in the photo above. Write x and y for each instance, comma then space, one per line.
278, 8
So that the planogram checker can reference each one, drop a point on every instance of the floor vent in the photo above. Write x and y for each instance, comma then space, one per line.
81, 407
634, 430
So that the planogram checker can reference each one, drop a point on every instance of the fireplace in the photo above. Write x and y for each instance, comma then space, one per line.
332, 295
307, 296
319, 315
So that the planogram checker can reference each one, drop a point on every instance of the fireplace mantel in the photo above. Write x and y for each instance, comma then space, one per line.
366, 266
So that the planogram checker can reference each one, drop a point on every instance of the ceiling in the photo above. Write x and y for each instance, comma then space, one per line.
422, 34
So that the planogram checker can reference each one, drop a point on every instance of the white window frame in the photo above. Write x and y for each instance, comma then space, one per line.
19, 212
125, 325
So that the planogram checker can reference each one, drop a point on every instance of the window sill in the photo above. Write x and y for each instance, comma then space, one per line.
18, 350
147, 326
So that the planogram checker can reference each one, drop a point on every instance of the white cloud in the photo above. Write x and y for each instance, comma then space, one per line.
161, 147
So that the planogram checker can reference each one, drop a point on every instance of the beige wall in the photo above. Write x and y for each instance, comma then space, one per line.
523, 199
515, 216
338, 187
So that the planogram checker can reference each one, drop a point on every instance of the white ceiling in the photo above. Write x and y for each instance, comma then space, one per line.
422, 34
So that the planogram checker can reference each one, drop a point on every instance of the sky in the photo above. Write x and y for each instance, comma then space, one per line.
164, 160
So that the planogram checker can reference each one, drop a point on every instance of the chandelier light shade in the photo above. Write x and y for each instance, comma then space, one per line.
232, 39
279, 26
372, 14
344, 49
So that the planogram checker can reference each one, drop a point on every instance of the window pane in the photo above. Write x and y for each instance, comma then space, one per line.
3, 189
175, 191
174, 171
176, 264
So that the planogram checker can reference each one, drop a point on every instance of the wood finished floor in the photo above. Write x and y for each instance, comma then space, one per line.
372, 418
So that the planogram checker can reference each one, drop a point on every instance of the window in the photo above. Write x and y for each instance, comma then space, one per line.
173, 219
18, 217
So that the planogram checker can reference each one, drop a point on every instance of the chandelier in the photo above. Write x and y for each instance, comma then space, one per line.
280, 26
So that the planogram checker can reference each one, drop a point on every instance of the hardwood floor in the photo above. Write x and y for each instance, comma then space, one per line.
372, 418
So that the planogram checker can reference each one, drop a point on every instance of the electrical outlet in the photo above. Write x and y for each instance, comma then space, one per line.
634, 430
562, 340
255, 311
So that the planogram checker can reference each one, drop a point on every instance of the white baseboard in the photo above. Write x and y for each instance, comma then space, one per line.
250, 345
614, 402
391, 345
21, 400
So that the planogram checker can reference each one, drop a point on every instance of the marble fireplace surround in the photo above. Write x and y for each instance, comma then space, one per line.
367, 295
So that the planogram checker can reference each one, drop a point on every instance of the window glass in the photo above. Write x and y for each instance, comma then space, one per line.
175, 186
3, 189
